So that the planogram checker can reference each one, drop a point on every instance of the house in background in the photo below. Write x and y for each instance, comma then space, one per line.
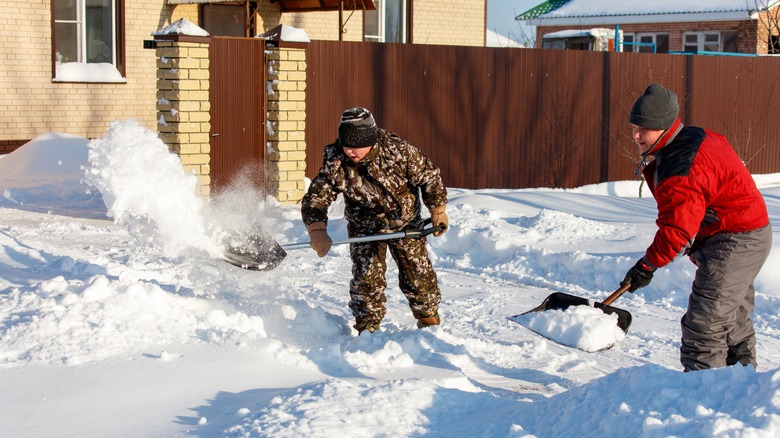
74, 66
594, 40
458, 22
664, 26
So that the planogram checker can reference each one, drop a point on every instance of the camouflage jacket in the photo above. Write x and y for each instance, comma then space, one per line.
381, 192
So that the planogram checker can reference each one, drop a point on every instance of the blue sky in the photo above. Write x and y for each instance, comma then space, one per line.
501, 17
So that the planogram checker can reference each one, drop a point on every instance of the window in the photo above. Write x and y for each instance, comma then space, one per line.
730, 40
628, 43
646, 42
554, 44
87, 40
224, 20
388, 23
701, 42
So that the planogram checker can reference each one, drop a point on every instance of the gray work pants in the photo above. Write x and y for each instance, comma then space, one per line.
716, 329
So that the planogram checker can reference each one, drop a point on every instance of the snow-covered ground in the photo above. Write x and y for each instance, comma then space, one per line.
131, 325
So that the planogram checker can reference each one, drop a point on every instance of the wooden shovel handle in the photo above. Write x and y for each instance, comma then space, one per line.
615, 295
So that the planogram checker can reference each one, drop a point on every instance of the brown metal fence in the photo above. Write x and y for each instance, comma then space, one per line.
238, 115
514, 118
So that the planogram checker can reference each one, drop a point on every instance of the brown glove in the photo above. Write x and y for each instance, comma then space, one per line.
439, 217
319, 239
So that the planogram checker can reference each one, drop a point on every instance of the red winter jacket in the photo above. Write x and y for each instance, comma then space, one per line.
701, 188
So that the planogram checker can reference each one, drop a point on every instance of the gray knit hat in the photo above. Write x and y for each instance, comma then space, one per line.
357, 128
656, 109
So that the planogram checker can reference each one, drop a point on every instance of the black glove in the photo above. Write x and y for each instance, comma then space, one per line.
639, 276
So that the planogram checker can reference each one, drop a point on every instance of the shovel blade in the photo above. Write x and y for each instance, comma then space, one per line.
562, 301
255, 252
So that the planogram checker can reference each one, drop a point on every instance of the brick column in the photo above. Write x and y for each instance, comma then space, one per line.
286, 163
183, 118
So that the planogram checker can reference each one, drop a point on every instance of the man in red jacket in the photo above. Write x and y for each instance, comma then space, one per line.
710, 209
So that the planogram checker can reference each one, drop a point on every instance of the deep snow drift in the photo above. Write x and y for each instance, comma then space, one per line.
132, 326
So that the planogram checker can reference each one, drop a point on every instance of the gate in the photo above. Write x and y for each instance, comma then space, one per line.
238, 114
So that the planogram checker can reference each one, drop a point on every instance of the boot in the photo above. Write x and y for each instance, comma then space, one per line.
366, 325
429, 321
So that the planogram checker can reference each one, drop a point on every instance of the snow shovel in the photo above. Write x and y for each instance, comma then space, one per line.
562, 301
258, 252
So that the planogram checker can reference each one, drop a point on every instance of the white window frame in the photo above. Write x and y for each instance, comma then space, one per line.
701, 41
636, 37
381, 14
640, 37
79, 22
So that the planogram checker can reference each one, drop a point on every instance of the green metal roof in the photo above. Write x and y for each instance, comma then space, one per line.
541, 9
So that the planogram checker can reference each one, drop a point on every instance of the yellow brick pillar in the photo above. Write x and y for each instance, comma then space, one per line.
286, 162
183, 119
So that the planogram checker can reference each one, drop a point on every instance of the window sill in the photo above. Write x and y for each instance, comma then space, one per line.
89, 73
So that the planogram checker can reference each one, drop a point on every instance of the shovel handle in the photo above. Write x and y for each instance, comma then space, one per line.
615, 295
416, 233
413, 232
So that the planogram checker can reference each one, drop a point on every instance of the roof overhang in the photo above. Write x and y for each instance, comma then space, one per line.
187, 2
324, 5
575, 33
637, 19
300, 5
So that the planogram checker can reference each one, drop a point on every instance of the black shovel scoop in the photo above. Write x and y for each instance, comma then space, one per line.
562, 301
259, 252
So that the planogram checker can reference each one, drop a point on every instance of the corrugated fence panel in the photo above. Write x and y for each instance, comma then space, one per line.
511, 118
629, 76
566, 148
237, 96
740, 98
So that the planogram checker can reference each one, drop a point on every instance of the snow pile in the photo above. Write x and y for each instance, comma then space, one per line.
137, 321
182, 26
46, 175
287, 33
49, 158
733, 401
97, 318
583, 327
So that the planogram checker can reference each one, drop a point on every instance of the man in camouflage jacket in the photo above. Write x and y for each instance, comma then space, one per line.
382, 179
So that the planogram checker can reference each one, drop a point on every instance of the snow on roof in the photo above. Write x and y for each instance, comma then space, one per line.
652, 11
585, 8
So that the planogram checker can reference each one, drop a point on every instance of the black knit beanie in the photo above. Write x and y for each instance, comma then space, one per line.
656, 109
357, 128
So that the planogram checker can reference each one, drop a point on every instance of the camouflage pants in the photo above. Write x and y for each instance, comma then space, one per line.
716, 329
416, 278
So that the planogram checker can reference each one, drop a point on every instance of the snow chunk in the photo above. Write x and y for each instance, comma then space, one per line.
389, 357
583, 327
